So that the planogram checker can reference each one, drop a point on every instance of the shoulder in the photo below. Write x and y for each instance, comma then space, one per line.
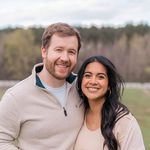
128, 133
126, 120
125, 123
20, 90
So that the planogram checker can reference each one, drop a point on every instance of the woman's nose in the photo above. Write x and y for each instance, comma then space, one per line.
93, 80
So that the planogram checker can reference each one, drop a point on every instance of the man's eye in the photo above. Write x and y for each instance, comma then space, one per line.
72, 52
58, 50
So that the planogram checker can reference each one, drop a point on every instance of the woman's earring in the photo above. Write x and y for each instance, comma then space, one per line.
109, 92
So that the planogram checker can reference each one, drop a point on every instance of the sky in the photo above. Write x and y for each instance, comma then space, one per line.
26, 13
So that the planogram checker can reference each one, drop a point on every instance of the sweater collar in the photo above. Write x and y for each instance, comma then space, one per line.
38, 67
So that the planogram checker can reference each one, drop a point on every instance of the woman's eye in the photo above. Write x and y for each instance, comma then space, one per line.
87, 75
101, 77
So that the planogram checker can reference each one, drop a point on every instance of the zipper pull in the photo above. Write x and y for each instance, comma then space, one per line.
65, 112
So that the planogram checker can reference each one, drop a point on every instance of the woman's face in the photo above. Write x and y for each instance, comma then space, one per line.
95, 81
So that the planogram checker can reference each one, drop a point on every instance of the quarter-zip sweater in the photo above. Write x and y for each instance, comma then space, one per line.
34, 117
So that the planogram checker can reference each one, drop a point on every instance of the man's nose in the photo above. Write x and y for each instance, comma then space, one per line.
64, 56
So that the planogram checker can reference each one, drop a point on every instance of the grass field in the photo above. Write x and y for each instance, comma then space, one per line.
138, 101
2, 92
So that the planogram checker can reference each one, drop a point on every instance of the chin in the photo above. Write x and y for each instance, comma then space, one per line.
62, 77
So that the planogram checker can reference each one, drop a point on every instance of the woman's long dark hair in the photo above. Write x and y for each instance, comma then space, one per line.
112, 109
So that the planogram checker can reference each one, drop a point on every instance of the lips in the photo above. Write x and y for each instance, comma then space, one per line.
92, 89
62, 66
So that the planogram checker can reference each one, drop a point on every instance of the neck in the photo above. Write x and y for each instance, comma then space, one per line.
50, 80
93, 115
96, 106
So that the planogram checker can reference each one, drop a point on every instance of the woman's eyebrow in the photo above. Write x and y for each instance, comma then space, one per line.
101, 73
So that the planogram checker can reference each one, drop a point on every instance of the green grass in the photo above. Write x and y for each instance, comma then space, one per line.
138, 101
2, 92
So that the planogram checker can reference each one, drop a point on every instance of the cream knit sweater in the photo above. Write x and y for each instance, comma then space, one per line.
35, 118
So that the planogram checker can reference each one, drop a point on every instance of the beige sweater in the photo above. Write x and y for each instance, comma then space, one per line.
36, 119
126, 131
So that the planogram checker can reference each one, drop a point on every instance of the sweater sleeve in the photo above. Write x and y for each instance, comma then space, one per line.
9, 123
129, 134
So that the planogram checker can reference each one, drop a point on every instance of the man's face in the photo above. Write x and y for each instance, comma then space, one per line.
61, 56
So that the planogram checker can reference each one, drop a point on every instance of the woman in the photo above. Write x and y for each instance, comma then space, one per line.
108, 123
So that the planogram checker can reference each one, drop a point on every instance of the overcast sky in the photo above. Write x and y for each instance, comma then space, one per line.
75, 12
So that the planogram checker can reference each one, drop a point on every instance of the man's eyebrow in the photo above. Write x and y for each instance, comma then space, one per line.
58, 47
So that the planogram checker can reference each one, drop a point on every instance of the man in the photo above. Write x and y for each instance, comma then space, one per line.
44, 112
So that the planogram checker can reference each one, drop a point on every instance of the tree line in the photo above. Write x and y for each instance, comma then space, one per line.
128, 47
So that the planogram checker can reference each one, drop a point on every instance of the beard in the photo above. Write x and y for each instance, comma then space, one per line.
59, 73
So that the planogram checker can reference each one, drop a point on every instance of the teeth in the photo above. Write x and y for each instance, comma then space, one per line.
63, 66
93, 89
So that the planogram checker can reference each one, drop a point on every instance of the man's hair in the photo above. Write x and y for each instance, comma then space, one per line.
61, 29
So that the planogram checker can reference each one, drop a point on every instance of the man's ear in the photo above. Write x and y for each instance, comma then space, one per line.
43, 52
